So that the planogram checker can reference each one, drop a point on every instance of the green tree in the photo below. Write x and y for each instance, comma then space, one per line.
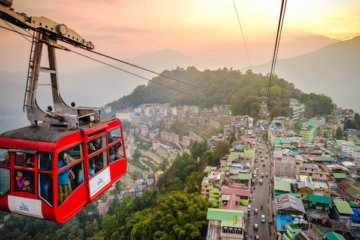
220, 150
339, 133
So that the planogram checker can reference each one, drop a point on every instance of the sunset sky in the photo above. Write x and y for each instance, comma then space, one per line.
128, 28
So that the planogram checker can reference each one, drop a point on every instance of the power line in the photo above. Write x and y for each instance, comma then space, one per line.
16, 30
126, 71
242, 33
145, 69
277, 44
110, 65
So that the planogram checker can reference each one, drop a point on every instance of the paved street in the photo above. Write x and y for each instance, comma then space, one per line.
261, 195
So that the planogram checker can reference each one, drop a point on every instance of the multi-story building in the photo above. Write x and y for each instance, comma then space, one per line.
308, 132
297, 110
315, 172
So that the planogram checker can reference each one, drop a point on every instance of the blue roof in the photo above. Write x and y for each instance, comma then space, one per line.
356, 215
282, 221
136, 116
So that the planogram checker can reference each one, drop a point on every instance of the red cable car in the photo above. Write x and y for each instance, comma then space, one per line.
53, 173
68, 156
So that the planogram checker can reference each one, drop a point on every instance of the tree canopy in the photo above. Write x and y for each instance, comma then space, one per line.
224, 86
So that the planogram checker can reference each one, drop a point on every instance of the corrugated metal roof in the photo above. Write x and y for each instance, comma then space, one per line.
343, 207
282, 186
319, 198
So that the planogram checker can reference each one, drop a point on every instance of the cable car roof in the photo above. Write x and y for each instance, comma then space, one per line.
44, 133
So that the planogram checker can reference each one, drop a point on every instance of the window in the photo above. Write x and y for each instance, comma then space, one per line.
96, 144
45, 161
23, 159
97, 163
45, 187
4, 157
116, 152
71, 172
4, 181
69, 155
114, 135
24, 180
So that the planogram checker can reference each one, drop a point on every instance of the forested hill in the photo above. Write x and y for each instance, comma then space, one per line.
223, 86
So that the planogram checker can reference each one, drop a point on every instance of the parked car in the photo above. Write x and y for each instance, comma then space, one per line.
256, 227
260, 181
249, 208
266, 174
256, 211
263, 219
257, 237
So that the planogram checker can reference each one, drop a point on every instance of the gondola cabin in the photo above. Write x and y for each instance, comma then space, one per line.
52, 173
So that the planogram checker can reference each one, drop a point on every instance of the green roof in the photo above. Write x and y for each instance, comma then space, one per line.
227, 217
239, 146
280, 141
309, 123
282, 186
244, 176
319, 199
249, 153
339, 175
233, 156
333, 236
343, 207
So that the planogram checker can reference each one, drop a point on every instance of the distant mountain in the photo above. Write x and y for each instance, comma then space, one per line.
333, 70
164, 59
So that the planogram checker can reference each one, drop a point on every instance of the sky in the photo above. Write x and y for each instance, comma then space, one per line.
163, 34
201, 28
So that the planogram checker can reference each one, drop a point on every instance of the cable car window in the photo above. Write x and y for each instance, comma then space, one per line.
24, 180
68, 180
4, 181
24, 159
96, 144
116, 152
4, 157
45, 187
97, 163
69, 155
45, 161
114, 135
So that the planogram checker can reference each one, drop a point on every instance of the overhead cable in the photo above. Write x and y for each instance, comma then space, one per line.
107, 64
277, 44
242, 34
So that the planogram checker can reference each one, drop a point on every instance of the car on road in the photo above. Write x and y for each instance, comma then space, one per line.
260, 181
256, 226
262, 175
257, 237
263, 219
256, 211
266, 174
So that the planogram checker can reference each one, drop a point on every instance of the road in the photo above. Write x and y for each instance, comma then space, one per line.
261, 195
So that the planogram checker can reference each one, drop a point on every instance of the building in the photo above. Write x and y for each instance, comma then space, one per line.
225, 224
297, 110
318, 202
343, 212
315, 172
287, 204
308, 130
281, 187
124, 116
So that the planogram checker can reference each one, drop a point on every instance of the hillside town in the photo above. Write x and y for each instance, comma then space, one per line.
285, 179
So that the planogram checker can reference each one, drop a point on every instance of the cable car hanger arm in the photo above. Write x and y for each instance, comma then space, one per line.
54, 30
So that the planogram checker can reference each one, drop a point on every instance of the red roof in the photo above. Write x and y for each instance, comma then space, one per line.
235, 191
